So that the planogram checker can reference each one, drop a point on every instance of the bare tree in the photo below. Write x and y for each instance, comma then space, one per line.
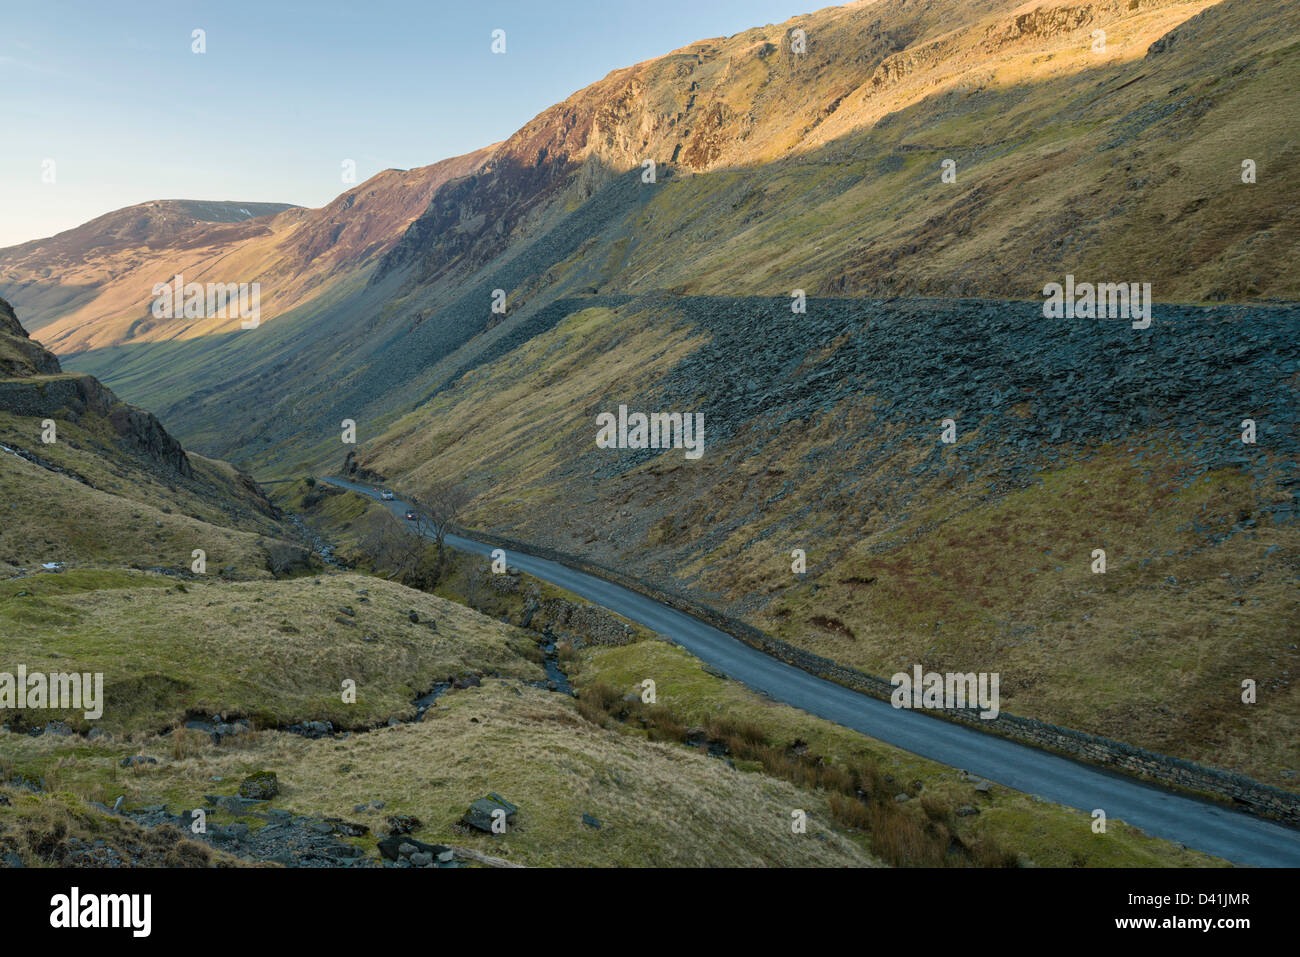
392, 545
436, 508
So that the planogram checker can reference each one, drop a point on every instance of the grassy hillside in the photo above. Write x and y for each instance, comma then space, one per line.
974, 558
660, 797
777, 170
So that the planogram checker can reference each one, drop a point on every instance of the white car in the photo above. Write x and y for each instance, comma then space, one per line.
386, 496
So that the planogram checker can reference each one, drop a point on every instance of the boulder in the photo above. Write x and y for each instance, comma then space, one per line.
347, 828
260, 786
483, 811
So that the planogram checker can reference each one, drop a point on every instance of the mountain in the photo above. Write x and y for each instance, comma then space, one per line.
93, 285
105, 248
1115, 159
918, 467
776, 171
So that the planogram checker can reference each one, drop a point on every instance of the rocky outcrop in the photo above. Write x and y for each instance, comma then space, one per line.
75, 397
19, 354
356, 472
32, 384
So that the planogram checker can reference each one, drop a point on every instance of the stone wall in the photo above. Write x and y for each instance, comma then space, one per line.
1163, 769
577, 622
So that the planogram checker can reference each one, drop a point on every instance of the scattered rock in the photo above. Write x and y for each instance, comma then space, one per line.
395, 848
403, 824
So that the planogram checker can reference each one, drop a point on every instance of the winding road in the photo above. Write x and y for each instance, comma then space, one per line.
1213, 828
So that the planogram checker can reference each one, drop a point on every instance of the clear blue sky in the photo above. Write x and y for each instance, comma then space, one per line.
110, 90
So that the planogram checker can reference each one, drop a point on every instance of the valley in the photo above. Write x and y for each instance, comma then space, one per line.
960, 337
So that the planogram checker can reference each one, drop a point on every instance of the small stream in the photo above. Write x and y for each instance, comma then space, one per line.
556, 679
426, 700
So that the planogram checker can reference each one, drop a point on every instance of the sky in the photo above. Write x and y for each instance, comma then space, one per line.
110, 101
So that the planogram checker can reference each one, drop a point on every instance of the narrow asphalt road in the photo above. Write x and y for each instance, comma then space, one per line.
1215, 829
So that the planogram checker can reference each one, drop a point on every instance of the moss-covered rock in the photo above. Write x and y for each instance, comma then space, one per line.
260, 786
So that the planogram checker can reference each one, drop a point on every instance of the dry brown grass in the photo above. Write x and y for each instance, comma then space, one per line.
901, 836
278, 652
53, 831
659, 804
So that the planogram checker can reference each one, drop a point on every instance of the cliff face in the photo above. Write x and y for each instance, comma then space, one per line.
790, 108
33, 385
19, 355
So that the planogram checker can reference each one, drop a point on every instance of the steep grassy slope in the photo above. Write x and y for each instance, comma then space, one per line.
818, 171
822, 170
90, 480
970, 557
